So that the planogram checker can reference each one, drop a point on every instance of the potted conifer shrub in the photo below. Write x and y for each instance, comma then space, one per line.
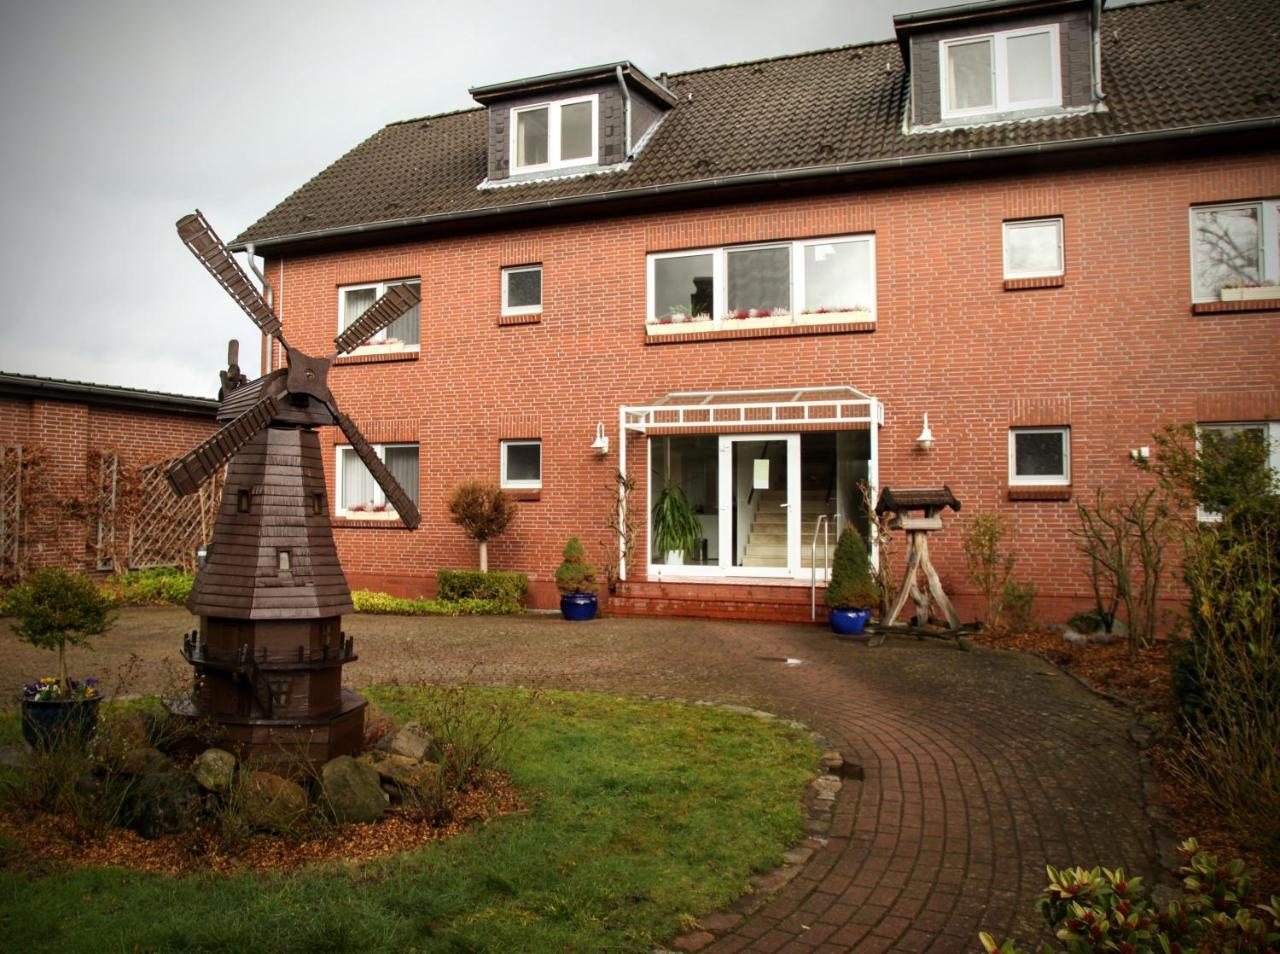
576, 580
676, 530
850, 592
53, 609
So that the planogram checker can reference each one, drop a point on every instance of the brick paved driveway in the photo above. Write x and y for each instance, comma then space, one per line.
980, 767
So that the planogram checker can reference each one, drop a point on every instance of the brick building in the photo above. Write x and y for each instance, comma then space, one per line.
70, 455
1033, 221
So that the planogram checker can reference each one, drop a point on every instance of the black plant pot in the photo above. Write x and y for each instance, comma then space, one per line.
59, 721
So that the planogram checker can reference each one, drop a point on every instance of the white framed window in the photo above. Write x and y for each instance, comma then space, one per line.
554, 135
358, 494
1033, 248
1263, 431
1235, 245
521, 464
1039, 456
811, 279
402, 334
1000, 72
522, 290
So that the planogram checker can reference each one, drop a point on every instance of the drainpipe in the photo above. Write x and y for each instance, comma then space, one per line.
253, 267
1098, 94
626, 109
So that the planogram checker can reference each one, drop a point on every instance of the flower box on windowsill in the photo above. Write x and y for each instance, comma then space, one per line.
732, 323
380, 347
369, 514
833, 317
1250, 293
684, 326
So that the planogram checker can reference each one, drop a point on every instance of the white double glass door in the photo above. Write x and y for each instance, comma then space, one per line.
759, 504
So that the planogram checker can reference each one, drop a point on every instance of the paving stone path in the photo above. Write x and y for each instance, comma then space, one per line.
979, 768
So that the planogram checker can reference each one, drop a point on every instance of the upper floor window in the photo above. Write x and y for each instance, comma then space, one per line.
815, 281
553, 135
400, 335
1039, 455
1000, 72
359, 495
1235, 250
1033, 248
522, 290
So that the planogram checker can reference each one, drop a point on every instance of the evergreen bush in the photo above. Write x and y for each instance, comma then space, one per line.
506, 587
575, 574
851, 586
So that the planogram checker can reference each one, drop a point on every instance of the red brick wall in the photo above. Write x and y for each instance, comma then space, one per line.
68, 432
1114, 352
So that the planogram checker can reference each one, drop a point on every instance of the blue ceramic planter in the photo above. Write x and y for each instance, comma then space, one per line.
848, 622
57, 721
578, 606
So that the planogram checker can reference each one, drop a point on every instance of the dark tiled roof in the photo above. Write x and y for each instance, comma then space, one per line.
59, 389
1166, 65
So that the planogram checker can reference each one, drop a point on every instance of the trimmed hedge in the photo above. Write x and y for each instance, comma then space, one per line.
501, 586
156, 587
367, 601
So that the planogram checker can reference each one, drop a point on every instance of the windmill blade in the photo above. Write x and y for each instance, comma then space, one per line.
398, 300
396, 496
186, 475
217, 258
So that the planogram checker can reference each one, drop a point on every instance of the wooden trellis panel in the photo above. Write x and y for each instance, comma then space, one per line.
108, 485
167, 529
10, 508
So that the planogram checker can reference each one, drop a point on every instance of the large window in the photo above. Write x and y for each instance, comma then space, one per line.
521, 463
1235, 246
359, 495
401, 334
552, 135
522, 290
820, 279
1039, 455
1033, 248
1000, 72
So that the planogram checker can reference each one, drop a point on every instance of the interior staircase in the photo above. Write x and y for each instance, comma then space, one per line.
767, 542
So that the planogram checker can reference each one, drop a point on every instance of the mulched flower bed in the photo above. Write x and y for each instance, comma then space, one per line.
1143, 682
47, 842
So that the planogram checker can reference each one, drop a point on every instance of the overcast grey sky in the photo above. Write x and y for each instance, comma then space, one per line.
121, 116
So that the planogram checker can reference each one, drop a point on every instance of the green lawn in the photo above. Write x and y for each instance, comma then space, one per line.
643, 815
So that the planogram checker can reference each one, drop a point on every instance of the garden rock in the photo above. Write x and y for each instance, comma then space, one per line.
214, 769
1074, 638
135, 732
144, 760
411, 741
401, 774
273, 802
165, 803
353, 790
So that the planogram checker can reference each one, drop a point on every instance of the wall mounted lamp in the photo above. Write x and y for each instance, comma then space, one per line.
601, 444
925, 440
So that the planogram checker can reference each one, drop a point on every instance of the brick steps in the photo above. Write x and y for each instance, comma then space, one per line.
758, 602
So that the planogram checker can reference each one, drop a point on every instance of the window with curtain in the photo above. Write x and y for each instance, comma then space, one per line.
358, 493
355, 300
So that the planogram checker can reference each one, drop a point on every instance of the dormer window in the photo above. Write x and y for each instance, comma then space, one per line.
554, 135
1000, 72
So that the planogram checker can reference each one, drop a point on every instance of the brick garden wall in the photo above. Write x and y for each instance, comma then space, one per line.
1114, 352
67, 432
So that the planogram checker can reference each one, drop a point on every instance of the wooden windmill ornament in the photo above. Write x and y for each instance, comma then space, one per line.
271, 593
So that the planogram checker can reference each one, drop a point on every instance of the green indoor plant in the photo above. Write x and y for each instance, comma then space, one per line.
576, 580
850, 590
677, 534
53, 609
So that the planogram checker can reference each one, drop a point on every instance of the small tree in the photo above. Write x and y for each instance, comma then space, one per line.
990, 565
851, 586
53, 609
575, 574
483, 510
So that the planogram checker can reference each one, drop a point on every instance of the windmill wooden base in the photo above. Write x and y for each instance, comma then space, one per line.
931, 502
